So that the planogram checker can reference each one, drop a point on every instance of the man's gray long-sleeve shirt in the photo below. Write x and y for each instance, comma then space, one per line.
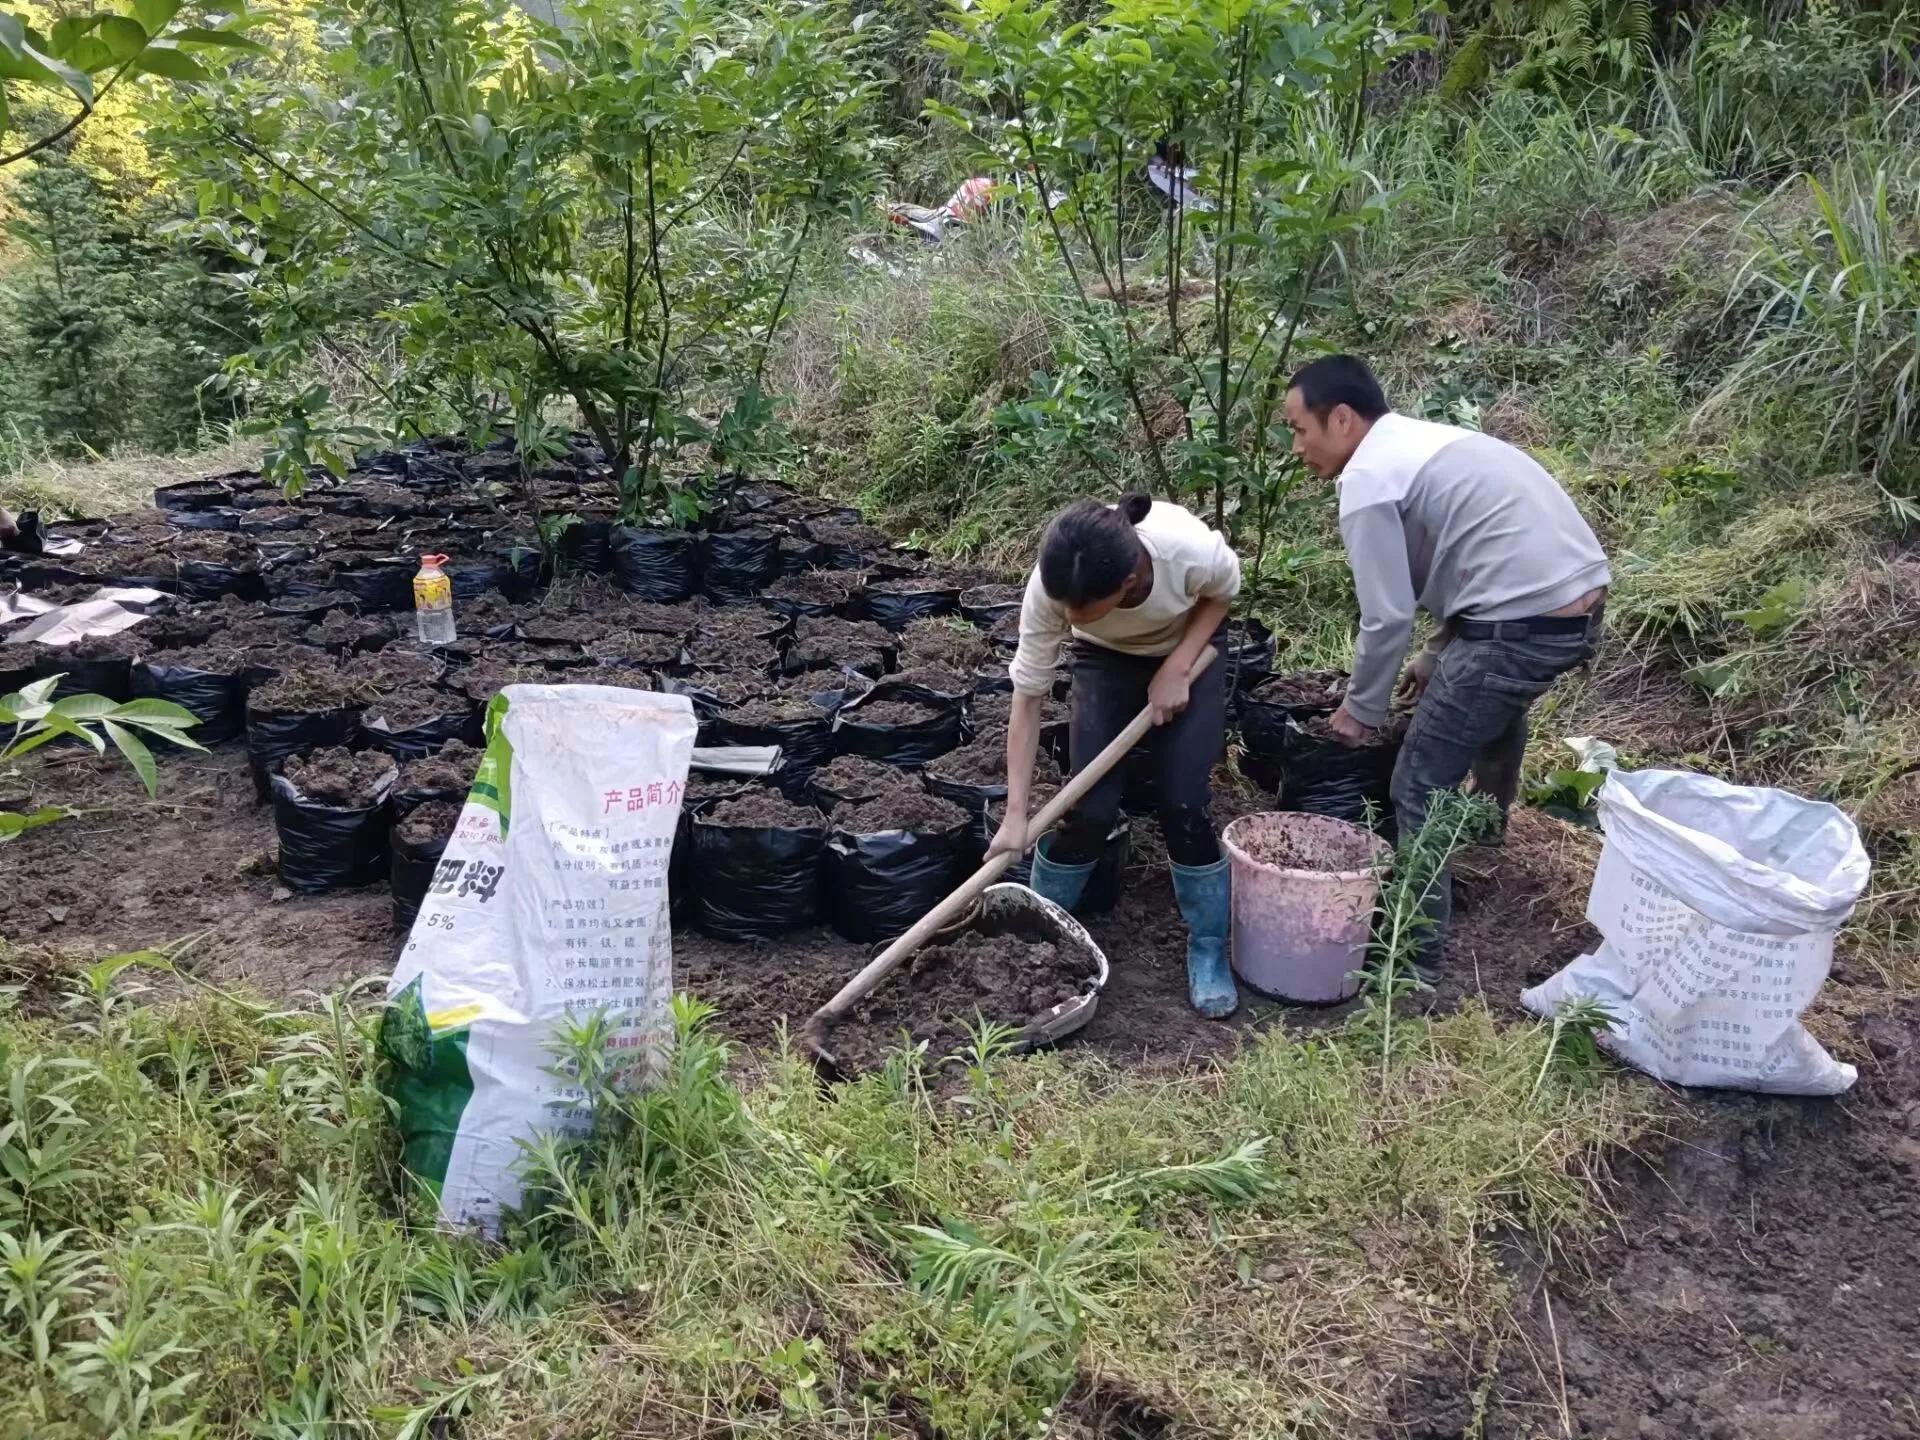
1459, 524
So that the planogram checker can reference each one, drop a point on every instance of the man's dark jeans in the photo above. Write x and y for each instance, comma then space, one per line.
1473, 719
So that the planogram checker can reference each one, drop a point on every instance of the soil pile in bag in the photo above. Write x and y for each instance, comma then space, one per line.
756, 866
995, 712
304, 709
703, 792
846, 545
1248, 651
987, 605
854, 778
637, 650
802, 730
949, 988
892, 859
907, 732
330, 809
585, 545
1273, 704
949, 644
444, 775
815, 592
419, 840
659, 565
930, 681
346, 634
578, 630
896, 604
828, 644
1004, 634
416, 723
1323, 775
975, 778
92, 665
645, 618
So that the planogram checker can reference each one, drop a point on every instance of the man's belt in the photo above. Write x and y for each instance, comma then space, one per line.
1521, 629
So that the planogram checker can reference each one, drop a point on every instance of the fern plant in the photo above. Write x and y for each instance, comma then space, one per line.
1565, 47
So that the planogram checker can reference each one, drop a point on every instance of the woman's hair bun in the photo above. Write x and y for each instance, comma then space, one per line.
1134, 505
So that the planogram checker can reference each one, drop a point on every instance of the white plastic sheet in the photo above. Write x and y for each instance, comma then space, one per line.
1717, 905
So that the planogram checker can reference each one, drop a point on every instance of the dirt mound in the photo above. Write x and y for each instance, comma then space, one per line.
428, 824
349, 779
450, 769
310, 686
857, 775
894, 712
901, 807
766, 808
953, 644
941, 679
818, 587
783, 708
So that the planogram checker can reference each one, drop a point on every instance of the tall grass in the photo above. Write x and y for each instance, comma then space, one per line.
202, 1232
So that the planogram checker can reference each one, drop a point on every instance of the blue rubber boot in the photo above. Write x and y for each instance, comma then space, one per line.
1062, 884
1204, 892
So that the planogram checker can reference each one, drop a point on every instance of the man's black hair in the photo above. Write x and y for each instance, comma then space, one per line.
1340, 380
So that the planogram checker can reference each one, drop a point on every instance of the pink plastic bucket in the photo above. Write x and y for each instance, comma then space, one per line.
1303, 893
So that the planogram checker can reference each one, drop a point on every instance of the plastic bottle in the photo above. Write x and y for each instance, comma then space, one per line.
433, 602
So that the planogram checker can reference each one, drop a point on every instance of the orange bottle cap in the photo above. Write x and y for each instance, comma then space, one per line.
432, 560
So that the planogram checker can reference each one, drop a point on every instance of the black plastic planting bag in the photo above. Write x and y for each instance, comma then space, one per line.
1249, 652
379, 584
658, 565
218, 701
909, 745
586, 545
111, 678
1265, 716
206, 580
754, 881
1324, 776
271, 737
983, 612
877, 886
221, 519
459, 721
192, 495
738, 564
327, 847
978, 801
896, 611
410, 873
805, 745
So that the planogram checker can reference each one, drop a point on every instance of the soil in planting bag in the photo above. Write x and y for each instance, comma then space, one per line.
329, 847
192, 495
877, 886
907, 733
753, 880
273, 736
378, 584
548, 905
1717, 905
805, 745
220, 519
738, 564
1322, 775
657, 565
977, 801
896, 610
416, 850
217, 701
459, 721
1265, 709
987, 605
206, 580
586, 546
799, 555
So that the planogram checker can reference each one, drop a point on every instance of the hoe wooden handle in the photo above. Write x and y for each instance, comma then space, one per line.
813, 1034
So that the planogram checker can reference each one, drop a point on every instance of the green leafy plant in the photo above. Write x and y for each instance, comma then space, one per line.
1573, 1042
1569, 792
36, 718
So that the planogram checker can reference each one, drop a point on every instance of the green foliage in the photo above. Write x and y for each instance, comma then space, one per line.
36, 718
153, 37
607, 212
1569, 793
1565, 47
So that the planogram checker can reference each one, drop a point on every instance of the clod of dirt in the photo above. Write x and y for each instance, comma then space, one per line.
941, 679
984, 762
894, 712
900, 808
817, 587
349, 779
451, 768
341, 631
305, 687
764, 808
732, 652
1303, 687
429, 824
950, 644
1010, 979
1288, 851
776, 709
1320, 727
414, 707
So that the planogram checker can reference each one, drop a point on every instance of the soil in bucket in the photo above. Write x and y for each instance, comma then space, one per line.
1304, 888
950, 987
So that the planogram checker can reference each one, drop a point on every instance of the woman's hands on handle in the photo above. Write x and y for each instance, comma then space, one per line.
1172, 684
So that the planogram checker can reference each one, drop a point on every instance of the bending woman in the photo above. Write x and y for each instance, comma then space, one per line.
1142, 588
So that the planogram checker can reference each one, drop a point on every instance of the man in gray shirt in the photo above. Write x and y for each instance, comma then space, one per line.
1481, 537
